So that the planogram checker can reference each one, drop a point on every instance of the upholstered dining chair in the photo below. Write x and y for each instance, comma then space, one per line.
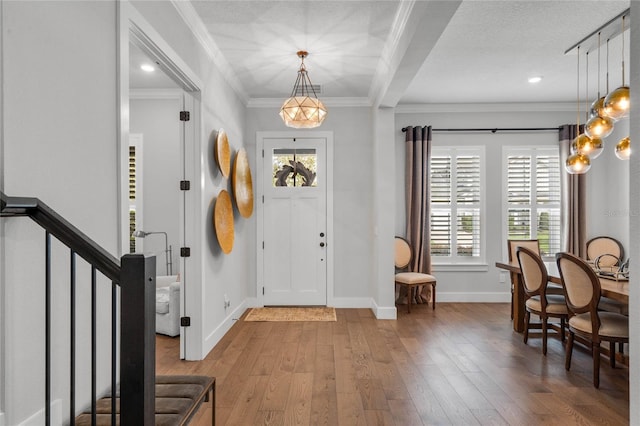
535, 278
608, 249
512, 245
411, 280
607, 252
582, 290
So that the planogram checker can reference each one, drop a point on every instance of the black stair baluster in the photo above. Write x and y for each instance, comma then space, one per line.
72, 342
47, 331
93, 347
114, 349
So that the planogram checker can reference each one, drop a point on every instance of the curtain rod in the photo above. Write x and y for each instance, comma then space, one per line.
497, 129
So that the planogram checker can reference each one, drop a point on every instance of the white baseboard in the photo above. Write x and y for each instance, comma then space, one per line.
384, 312
217, 334
468, 297
38, 418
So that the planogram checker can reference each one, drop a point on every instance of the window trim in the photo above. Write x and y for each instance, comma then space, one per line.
455, 262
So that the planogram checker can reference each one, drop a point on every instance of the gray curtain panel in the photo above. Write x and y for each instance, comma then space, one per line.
418, 195
573, 212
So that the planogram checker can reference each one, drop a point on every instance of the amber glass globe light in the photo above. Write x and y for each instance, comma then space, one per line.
585, 145
623, 149
577, 164
598, 127
617, 103
597, 108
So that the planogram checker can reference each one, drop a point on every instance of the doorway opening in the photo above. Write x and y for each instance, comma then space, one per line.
157, 134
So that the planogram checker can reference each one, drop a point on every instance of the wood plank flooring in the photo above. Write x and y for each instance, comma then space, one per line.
461, 364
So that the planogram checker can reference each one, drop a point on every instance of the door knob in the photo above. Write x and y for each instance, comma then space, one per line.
321, 244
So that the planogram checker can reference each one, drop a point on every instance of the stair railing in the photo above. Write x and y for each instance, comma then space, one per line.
133, 277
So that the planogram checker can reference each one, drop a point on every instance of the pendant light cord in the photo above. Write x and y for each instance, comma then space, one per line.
599, 33
586, 91
578, 91
622, 35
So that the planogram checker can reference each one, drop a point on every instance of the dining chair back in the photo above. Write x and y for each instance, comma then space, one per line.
583, 292
535, 280
412, 281
512, 245
608, 250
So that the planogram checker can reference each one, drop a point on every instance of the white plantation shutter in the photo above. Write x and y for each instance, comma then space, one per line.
519, 196
533, 196
456, 204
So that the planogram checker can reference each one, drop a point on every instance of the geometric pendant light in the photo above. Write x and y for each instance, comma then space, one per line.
303, 109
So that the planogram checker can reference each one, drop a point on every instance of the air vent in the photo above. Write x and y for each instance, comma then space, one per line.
317, 88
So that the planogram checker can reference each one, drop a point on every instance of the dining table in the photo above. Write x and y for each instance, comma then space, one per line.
611, 287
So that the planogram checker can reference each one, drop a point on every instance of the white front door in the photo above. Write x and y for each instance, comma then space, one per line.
295, 221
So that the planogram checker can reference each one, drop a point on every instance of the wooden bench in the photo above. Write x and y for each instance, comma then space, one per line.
177, 401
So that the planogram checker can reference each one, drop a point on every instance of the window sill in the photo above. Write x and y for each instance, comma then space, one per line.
460, 267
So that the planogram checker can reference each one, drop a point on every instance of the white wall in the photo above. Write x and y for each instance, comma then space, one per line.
483, 285
608, 182
353, 178
59, 138
157, 121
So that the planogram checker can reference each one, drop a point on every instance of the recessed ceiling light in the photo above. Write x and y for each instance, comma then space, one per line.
535, 79
147, 68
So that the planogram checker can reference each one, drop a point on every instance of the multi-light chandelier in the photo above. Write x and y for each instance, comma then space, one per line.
604, 112
302, 110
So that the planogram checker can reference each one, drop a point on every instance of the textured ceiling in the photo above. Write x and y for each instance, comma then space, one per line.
259, 39
412, 52
490, 49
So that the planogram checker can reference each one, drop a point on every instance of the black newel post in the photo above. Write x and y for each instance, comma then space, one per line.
137, 340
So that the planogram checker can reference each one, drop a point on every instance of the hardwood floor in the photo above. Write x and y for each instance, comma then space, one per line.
461, 364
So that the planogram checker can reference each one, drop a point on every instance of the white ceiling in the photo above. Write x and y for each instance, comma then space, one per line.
405, 52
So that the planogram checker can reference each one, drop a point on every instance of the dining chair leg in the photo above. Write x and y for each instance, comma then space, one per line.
612, 354
544, 335
409, 297
595, 349
433, 296
569, 351
527, 316
562, 326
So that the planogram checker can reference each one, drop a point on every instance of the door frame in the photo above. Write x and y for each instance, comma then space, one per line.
134, 28
260, 137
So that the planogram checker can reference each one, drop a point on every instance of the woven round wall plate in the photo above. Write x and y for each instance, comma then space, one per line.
223, 221
222, 153
242, 184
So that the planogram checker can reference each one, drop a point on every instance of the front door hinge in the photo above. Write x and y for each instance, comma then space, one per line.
185, 321
263, 291
185, 185
184, 116
185, 251
263, 244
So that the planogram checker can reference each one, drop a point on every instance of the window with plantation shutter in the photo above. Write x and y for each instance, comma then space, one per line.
533, 196
457, 207
135, 191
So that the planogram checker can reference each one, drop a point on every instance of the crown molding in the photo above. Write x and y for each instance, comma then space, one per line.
381, 76
194, 23
487, 107
328, 102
